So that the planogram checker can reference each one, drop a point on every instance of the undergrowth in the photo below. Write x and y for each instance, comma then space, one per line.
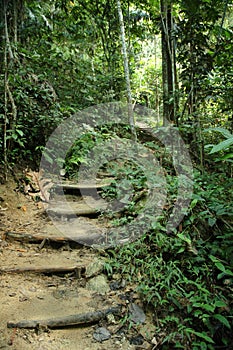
187, 276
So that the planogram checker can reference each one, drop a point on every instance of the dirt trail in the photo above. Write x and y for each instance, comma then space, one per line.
42, 294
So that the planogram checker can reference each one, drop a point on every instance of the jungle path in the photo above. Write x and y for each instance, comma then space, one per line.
46, 275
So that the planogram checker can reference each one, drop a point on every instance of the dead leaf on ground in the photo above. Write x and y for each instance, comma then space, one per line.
37, 186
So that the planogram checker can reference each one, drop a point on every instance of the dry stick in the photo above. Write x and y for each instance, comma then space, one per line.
65, 321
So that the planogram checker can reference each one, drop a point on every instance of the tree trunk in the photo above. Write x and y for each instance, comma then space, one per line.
126, 70
168, 63
9, 34
157, 90
5, 41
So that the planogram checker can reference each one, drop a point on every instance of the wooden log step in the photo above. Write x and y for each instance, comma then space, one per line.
83, 233
68, 185
44, 261
76, 232
44, 269
67, 321
73, 208
34, 238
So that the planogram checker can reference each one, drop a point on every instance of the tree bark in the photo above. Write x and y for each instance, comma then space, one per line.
65, 321
126, 70
44, 269
168, 63
5, 39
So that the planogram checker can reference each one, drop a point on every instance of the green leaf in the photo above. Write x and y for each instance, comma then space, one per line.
203, 346
206, 307
226, 133
20, 132
224, 274
183, 238
200, 335
228, 272
227, 156
213, 258
221, 275
21, 143
222, 145
220, 266
197, 313
212, 221
193, 203
220, 303
223, 320
181, 250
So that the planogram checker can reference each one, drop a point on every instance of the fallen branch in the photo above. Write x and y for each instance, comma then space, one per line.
65, 321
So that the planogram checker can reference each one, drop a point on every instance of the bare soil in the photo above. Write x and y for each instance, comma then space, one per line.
27, 296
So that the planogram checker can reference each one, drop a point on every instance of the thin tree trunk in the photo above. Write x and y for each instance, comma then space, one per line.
7, 39
126, 70
15, 18
5, 116
175, 85
5, 69
157, 94
168, 63
9, 62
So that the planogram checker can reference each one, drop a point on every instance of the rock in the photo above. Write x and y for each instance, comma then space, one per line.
138, 340
23, 298
94, 268
111, 319
101, 334
136, 313
116, 285
98, 284
62, 172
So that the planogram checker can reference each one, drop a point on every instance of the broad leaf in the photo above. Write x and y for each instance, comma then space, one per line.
226, 133
200, 335
223, 320
222, 145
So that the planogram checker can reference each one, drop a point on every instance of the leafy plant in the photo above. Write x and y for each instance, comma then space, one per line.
187, 276
223, 145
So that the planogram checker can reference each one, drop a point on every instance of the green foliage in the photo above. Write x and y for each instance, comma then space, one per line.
56, 70
224, 145
38, 113
78, 153
187, 276
67, 56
